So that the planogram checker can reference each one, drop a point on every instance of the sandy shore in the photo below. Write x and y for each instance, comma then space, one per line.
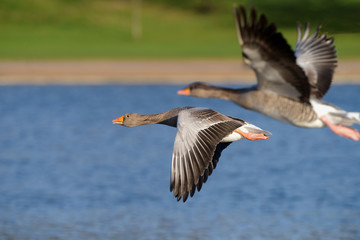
154, 71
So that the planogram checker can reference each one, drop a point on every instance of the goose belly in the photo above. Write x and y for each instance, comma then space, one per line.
287, 110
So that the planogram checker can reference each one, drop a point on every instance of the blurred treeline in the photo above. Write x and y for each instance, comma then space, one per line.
33, 29
337, 15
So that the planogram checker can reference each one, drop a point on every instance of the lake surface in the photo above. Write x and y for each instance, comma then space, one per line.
67, 173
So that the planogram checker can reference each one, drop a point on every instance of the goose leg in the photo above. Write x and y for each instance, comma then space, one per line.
343, 131
252, 136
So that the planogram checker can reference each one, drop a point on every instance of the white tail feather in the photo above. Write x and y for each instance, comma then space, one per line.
335, 114
248, 127
345, 118
354, 116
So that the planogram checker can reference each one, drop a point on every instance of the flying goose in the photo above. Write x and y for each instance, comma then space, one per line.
202, 134
290, 84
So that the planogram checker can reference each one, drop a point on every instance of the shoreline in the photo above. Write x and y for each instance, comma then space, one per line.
144, 72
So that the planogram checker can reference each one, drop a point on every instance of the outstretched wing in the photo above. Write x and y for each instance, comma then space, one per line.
266, 51
197, 148
316, 55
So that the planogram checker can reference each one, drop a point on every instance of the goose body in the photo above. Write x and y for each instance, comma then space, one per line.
290, 84
201, 136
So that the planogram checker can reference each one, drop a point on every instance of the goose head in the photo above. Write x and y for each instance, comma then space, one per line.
130, 120
197, 89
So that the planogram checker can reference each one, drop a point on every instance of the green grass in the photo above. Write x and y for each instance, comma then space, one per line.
79, 29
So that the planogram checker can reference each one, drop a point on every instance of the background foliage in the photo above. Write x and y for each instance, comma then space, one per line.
82, 29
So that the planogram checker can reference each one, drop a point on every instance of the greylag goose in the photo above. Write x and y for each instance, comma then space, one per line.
201, 136
290, 84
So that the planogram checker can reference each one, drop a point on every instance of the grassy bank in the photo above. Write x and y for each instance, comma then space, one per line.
77, 29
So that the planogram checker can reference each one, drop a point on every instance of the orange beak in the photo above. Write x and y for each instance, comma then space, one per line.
185, 91
119, 120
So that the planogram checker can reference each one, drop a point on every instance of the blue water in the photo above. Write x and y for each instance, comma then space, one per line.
67, 173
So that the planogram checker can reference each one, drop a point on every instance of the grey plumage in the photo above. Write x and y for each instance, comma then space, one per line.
290, 84
198, 142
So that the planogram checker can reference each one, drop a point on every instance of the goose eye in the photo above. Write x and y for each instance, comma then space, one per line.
127, 115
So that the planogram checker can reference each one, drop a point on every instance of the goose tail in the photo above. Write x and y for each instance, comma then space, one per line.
347, 118
248, 127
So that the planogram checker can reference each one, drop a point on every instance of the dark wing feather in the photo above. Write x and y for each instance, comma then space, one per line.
197, 148
266, 51
219, 148
316, 55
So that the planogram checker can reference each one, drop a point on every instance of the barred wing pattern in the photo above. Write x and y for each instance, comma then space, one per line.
316, 55
197, 148
266, 51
